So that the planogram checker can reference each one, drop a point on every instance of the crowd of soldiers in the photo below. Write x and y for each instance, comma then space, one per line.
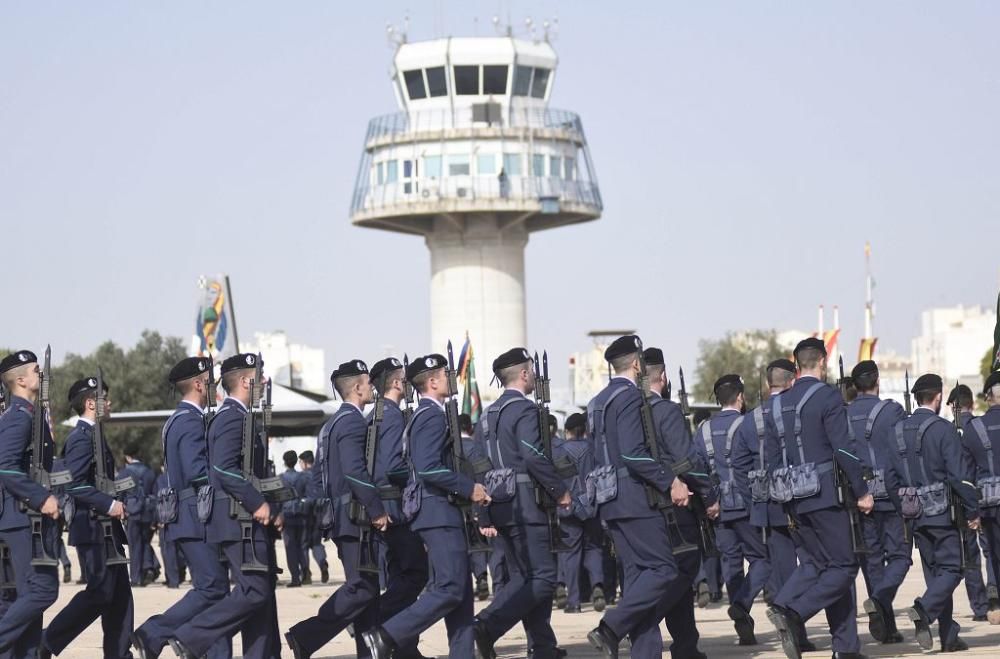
629, 508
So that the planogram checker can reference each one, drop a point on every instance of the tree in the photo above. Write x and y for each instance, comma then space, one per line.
744, 353
137, 381
986, 365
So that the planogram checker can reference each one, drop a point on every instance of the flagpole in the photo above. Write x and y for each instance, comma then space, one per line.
232, 313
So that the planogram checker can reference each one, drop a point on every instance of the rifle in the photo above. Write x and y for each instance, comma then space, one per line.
210, 404
113, 555
906, 393
956, 511
543, 499
474, 540
683, 395
955, 411
272, 488
407, 392
656, 499
845, 497
3, 398
367, 550
37, 470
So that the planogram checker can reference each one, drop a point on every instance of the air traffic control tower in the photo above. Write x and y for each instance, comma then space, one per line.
475, 161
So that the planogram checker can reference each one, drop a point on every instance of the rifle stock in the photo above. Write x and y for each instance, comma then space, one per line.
368, 552
113, 554
542, 498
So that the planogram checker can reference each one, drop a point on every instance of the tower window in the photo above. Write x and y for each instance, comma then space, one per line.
437, 81
522, 80
415, 84
432, 166
458, 165
495, 79
466, 80
539, 83
486, 163
512, 164
538, 165
555, 166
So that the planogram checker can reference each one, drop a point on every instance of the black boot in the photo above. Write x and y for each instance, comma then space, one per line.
743, 623
787, 623
379, 643
878, 626
921, 624
484, 644
604, 641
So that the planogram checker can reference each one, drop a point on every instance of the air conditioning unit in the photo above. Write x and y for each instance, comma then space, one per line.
462, 192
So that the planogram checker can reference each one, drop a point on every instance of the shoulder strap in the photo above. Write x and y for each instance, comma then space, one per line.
733, 427
873, 417
323, 446
921, 431
492, 438
798, 418
984, 437
904, 453
758, 422
163, 438
705, 430
595, 418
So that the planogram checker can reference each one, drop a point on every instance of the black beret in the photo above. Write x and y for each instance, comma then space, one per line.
811, 342
188, 367
85, 386
384, 366
349, 369
783, 364
991, 381
242, 360
621, 346
512, 357
732, 380
961, 390
426, 363
653, 357
928, 382
15, 359
864, 368
576, 421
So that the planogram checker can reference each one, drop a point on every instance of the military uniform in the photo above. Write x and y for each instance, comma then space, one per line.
139, 526
977, 549
312, 536
294, 511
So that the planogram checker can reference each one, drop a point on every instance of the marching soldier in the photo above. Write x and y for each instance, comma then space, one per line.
138, 529
434, 484
37, 585
979, 436
811, 427
513, 443
931, 463
312, 538
185, 458
718, 434
342, 445
479, 560
296, 557
108, 595
870, 422
249, 607
639, 531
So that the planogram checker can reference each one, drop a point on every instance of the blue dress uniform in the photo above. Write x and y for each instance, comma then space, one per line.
37, 586
441, 527
929, 452
870, 426
342, 450
249, 607
138, 526
478, 561
107, 595
312, 537
292, 533
513, 442
676, 446
639, 532
977, 549
810, 422
186, 460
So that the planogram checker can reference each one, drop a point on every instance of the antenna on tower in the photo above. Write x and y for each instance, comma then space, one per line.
502, 29
394, 35
529, 26
551, 29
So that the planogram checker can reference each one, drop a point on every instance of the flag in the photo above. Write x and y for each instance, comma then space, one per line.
214, 326
471, 404
996, 339
867, 349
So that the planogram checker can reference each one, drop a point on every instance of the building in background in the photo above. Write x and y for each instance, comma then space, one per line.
291, 364
952, 343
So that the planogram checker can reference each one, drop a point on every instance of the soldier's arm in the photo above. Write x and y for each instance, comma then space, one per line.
390, 446
79, 456
192, 453
535, 461
893, 471
14, 438
227, 449
835, 424
431, 431
635, 452
676, 434
960, 469
351, 453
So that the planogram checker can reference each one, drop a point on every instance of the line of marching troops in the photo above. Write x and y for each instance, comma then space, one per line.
806, 489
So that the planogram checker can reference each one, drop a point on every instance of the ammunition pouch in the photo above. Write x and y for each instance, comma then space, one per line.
781, 485
805, 478
67, 505
324, 512
602, 485
933, 499
357, 513
166, 505
205, 502
501, 484
412, 497
760, 486
565, 468
910, 506
729, 497
989, 491
876, 485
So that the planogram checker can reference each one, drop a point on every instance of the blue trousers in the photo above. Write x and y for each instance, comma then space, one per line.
140, 551
209, 585
528, 595
890, 559
643, 546
296, 559
448, 595
749, 545
107, 596
940, 555
990, 541
781, 550
248, 608
826, 581
356, 601
406, 574
499, 575
678, 612
585, 539
973, 575
37, 589
171, 560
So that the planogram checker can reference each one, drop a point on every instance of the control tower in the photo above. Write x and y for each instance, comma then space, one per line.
474, 161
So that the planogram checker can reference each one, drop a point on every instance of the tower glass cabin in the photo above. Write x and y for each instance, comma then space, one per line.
474, 161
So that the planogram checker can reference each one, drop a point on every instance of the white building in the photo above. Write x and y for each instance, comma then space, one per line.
473, 161
291, 364
952, 343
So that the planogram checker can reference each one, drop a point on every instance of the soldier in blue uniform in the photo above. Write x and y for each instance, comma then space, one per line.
312, 537
513, 443
581, 528
930, 459
810, 422
404, 555
185, 457
435, 483
980, 436
478, 561
138, 528
639, 530
294, 512
108, 595
870, 423
677, 450
977, 550
719, 436
37, 586
249, 607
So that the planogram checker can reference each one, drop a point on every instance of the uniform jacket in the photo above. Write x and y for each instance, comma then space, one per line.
717, 427
881, 441
676, 445
225, 458
974, 446
746, 457
295, 510
15, 458
186, 457
390, 466
79, 456
137, 500
346, 477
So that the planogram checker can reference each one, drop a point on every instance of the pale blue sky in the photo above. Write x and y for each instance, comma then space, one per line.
745, 152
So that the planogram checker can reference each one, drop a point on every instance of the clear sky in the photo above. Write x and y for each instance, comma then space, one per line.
745, 152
